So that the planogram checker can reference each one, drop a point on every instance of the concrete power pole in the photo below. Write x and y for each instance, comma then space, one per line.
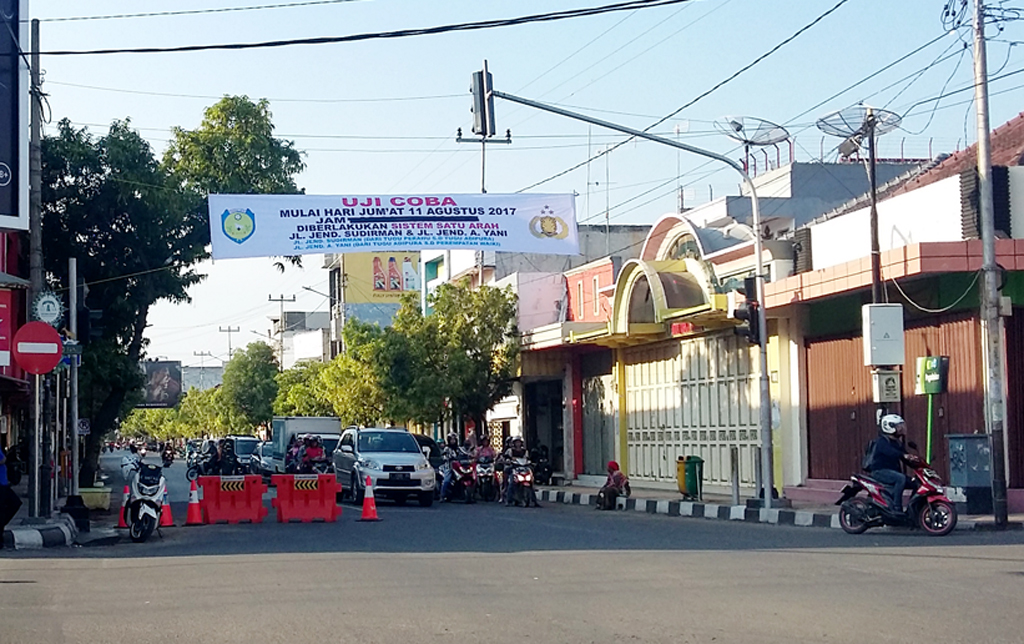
281, 300
991, 330
229, 331
35, 241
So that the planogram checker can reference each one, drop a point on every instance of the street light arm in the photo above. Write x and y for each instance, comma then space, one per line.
765, 394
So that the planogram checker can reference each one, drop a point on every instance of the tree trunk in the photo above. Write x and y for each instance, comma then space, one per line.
106, 417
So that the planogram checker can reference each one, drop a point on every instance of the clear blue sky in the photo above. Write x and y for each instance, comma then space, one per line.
381, 115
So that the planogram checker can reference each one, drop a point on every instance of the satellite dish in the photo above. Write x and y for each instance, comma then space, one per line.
751, 131
855, 121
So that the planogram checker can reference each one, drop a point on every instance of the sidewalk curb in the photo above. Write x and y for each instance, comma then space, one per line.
713, 511
61, 532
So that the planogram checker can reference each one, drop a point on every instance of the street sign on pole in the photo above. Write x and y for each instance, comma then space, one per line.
37, 347
83, 427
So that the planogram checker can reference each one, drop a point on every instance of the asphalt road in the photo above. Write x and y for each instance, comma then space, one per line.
489, 573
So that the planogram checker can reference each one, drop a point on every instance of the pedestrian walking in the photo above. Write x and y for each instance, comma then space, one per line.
9, 501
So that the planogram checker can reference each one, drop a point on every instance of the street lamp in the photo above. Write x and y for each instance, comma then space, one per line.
765, 399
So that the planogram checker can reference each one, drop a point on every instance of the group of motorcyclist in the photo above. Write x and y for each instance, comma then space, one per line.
218, 459
514, 455
304, 454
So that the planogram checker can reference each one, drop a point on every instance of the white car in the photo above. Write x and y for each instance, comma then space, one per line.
391, 458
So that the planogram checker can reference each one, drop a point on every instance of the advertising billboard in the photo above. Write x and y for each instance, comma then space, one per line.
272, 225
380, 277
163, 383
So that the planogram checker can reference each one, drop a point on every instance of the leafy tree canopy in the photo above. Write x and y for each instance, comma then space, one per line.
234, 151
250, 383
300, 391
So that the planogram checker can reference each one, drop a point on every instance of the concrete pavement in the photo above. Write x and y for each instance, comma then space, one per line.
561, 573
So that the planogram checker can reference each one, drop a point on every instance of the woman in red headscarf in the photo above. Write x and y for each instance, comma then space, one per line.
615, 486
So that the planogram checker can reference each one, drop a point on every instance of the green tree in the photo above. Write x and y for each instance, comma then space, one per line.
299, 391
479, 338
234, 151
108, 202
351, 382
250, 384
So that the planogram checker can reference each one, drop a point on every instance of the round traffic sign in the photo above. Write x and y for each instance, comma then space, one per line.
37, 347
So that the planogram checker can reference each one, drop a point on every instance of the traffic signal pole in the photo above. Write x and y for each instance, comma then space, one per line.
765, 395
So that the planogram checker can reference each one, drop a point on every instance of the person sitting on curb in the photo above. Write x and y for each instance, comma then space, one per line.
615, 486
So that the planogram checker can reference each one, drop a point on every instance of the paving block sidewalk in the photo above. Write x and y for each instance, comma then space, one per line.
719, 507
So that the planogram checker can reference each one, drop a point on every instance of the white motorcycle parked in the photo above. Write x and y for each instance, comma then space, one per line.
146, 490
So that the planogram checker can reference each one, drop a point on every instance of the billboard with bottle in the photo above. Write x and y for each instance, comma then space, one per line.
380, 277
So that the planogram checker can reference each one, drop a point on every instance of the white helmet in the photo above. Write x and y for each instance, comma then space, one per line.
892, 424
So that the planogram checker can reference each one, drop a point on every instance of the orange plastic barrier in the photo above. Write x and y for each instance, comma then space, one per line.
233, 499
306, 497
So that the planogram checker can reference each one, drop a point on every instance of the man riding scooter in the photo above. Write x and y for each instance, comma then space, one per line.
516, 455
452, 452
886, 456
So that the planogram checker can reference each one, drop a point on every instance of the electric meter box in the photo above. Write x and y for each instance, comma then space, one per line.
883, 334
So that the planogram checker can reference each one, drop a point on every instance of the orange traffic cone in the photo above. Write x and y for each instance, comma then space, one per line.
166, 520
121, 523
195, 513
369, 503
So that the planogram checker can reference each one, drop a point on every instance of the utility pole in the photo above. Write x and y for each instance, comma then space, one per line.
991, 331
229, 331
73, 315
35, 254
280, 325
202, 365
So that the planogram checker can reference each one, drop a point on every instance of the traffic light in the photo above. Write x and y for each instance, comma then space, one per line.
483, 103
746, 310
90, 325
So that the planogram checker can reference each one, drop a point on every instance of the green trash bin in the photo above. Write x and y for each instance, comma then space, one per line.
690, 476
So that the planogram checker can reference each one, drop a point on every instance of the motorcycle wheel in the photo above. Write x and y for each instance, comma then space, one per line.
141, 530
14, 474
937, 518
852, 516
192, 473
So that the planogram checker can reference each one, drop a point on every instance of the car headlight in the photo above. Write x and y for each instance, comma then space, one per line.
424, 465
368, 464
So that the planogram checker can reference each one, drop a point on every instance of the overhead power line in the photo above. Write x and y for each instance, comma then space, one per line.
627, 5
693, 101
190, 12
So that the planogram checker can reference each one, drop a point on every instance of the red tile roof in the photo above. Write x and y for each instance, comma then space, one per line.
1007, 150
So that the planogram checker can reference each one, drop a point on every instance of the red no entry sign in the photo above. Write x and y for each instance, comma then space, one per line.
37, 347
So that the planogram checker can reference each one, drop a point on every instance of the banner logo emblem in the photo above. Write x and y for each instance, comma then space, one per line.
547, 225
238, 225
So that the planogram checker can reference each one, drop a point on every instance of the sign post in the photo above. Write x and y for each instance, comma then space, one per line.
932, 375
37, 349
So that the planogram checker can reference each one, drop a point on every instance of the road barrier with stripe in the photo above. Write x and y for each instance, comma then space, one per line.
232, 499
306, 497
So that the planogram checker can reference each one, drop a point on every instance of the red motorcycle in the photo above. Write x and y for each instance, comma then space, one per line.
463, 483
929, 509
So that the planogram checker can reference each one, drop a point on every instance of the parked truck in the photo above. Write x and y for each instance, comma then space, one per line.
285, 427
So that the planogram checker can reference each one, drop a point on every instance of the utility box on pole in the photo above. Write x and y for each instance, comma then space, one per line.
883, 334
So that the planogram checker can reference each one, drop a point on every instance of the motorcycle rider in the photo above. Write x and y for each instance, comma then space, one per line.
516, 451
484, 449
312, 450
168, 453
886, 455
451, 452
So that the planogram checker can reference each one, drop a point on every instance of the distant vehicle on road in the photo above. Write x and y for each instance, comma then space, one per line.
391, 458
285, 427
260, 464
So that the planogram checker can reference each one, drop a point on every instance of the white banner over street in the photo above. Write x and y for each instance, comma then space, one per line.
271, 225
